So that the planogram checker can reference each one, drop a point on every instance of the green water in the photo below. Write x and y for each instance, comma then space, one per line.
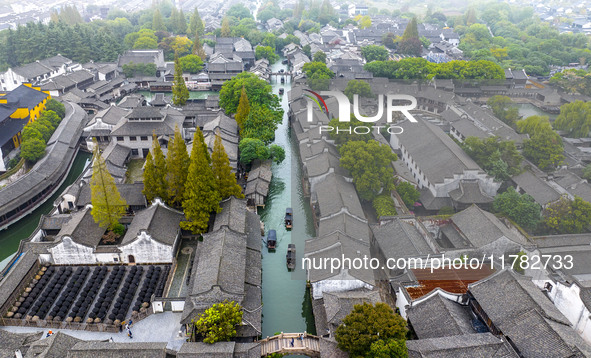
22, 229
286, 303
528, 109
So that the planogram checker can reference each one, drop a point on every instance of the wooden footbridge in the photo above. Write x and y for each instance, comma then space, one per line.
291, 343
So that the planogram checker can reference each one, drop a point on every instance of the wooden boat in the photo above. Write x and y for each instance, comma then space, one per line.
291, 257
288, 218
281, 91
272, 240
282, 79
284, 62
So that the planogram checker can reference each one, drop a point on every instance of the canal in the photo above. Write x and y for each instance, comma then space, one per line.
286, 302
22, 229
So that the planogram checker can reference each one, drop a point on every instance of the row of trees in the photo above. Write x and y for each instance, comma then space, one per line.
519, 39
419, 68
37, 132
257, 112
196, 183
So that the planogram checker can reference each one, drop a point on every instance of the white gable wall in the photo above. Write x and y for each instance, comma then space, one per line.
68, 252
147, 250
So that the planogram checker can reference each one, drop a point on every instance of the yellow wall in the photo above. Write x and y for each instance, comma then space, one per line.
32, 114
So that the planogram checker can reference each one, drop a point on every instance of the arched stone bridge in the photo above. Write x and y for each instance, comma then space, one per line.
281, 343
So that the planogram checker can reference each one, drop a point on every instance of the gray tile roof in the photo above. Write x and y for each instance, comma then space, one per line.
132, 193
337, 245
539, 189
324, 163
335, 195
398, 238
82, 229
523, 313
32, 70
13, 278
232, 216
55, 346
339, 304
13, 341
482, 228
437, 316
470, 192
205, 350
435, 153
159, 221
172, 119
96, 349
460, 346
344, 223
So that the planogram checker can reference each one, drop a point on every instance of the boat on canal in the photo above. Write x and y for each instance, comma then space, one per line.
291, 256
288, 218
281, 91
272, 240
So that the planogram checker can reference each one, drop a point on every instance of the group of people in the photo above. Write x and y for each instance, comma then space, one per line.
301, 338
128, 326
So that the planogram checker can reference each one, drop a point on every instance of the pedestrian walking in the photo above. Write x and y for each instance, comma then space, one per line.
291, 343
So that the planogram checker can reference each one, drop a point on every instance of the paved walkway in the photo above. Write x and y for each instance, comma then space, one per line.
160, 327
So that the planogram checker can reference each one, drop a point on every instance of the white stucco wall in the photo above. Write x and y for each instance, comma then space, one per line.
70, 252
147, 250
568, 301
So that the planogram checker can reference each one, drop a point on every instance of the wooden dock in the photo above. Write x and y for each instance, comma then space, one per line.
282, 344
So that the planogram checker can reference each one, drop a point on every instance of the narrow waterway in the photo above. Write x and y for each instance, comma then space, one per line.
22, 229
286, 303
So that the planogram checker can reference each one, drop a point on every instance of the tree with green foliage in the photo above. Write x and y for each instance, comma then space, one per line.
267, 52
243, 109
503, 109
191, 63
499, 158
520, 208
145, 43
375, 53
157, 22
33, 149
239, 11
222, 171
568, 216
388, 349
364, 22
218, 323
257, 90
358, 87
277, 153
587, 172
251, 149
226, 31
544, 149
318, 75
261, 123
534, 124
181, 25
139, 69
343, 131
198, 48
201, 196
384, 205
107, 204
574, 119
408, 193
56, 106
320, 56
412, 30
196, 27
180, 93
368, 324
370, 165
155, 171
419, 68
50, 118
177, 164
